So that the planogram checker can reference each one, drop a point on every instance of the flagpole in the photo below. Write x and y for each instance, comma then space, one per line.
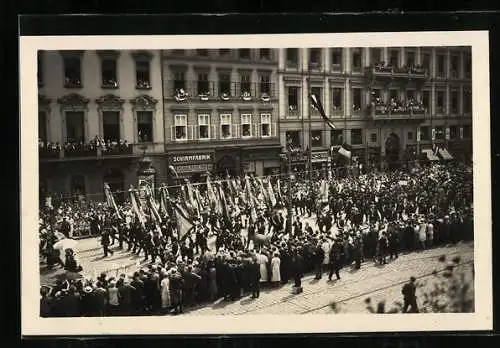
309, 155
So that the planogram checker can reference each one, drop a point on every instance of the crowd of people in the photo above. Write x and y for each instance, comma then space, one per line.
397, 106
81, 148
367, 218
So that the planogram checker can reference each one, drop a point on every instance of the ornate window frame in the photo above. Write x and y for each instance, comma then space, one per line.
109, 55
78, 54
110, 102
73, 102
44, 106
144, 102
142, 56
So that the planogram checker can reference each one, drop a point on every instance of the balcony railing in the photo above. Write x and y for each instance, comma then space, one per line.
192, 133
91, 151
389, 71
384, 113
225, 91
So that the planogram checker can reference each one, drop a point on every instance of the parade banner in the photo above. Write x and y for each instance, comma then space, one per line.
184, 224
316, 103
110, 200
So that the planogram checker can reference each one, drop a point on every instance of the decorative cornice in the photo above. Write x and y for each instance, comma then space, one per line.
142, 55
108, 54
72, 53
144, 101
110, 101
178, 66
73, 100
43, 101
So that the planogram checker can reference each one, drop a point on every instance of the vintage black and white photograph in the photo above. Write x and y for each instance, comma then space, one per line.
207, 180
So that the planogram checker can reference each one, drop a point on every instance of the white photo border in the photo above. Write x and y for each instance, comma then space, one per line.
33, 324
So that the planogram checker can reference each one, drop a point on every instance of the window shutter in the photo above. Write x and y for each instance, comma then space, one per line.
273, 129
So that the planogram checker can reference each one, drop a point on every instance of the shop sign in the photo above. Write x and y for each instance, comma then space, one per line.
193, 168
203, 157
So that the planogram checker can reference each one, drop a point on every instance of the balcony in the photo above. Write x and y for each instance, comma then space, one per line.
384, 112
91, 151
211, 91
390, 72
211, 133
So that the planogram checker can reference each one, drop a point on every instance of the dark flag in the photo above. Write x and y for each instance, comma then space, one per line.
316, 102
345, 150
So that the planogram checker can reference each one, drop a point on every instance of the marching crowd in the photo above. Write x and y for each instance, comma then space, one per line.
370, 217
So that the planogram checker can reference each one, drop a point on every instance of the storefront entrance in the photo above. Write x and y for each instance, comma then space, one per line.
226, 166
392, 151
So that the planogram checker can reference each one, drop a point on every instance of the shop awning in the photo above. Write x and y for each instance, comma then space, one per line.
445, 154
430, 155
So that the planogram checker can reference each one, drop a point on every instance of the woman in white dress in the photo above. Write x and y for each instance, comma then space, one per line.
430, 235
275, 269
165, 291
422, 233
262, 261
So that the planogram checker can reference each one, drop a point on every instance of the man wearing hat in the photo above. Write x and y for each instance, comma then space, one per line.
409, 297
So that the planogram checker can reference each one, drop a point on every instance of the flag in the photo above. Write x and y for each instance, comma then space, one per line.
324, 188
345, 150
110, 199
316, 102
184, 224
136, 207
270, 194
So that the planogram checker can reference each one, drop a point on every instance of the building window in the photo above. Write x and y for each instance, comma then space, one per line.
356, 99
315, 58
42, 126
373, 137
337, 59
39, 71
143, 74
393, 94
265, 125
145, 126
109, 78
225, 83
337, 99
180, 127
75, 129
202, 84
111, 126
440, 65
337, 138
265, 84
426, 99
467, 96
244, 53
440, 102
72, 72
292, 57
293, 98
265, 54
202, 52
316, 138
179, 81
356, 136
468, 66
224, 52
410, 59
376, 55
77, 185
293, 139
356, 60
453, 132
410, 136
454, 102
246, 125
245, 84
425, 133
318, 92
225, 126
204, 126
439, 131
426, 61
394, 58
467, 130
454, 68
410, 94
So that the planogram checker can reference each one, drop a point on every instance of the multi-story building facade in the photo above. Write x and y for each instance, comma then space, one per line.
389, 103
221, 111
89, 97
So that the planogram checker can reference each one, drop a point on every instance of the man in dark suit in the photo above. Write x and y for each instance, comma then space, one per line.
335, 260
409, 297
105, 242
255, 278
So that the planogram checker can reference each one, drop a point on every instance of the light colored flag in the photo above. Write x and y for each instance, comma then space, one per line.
184, 224
111, 200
